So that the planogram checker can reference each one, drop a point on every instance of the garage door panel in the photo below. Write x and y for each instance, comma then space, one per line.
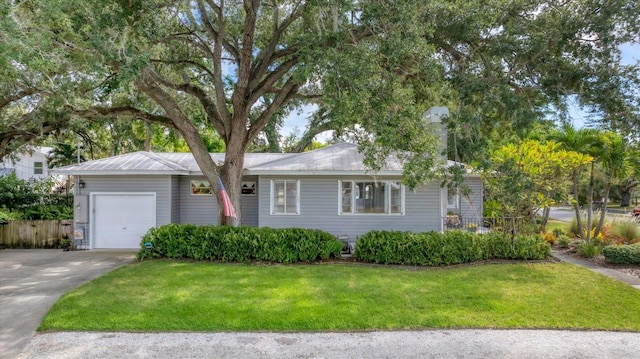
120, 220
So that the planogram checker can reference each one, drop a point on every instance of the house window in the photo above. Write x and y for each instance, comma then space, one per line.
38, 168
453, 199
201, 188
364, 197
285, 197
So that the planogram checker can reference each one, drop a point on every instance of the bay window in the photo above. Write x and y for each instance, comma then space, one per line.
371, 197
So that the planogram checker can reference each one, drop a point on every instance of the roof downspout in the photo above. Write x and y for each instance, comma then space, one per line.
435, 115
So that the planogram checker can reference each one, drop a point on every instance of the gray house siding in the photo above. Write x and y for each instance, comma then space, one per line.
203, 210
471, 207
175, 199
196, 209
160, 185
250, 204
319, 209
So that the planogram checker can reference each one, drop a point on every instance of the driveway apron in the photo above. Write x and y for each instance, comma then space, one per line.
32, 280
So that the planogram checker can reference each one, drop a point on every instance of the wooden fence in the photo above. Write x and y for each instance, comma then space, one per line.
34, 234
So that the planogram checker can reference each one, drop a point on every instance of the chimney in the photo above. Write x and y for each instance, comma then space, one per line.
434, 115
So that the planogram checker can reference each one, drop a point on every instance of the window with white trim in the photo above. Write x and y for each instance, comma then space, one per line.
38, 168
285, 197
453, 199
371, 197
201, 188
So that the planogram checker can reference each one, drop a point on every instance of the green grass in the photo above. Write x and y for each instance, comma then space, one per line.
181, 296
555, 224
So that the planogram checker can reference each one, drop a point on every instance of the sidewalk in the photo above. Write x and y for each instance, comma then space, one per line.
625, 278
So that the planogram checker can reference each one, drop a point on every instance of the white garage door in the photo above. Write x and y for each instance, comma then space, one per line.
120, 220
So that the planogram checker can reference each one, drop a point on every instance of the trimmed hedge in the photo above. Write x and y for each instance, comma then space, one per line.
451, 247
622, 254
239, 244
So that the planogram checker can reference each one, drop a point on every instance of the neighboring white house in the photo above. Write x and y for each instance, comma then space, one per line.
30, 165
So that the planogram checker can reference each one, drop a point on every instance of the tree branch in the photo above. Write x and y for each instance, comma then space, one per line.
96, 111
217, 35
271, 79
241, 91
207, 103
267, 56
283, 96
5, 101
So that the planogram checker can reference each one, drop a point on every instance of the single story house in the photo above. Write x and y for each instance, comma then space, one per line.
119, 198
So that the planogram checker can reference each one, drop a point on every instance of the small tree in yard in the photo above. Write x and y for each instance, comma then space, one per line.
530, 176
617, 161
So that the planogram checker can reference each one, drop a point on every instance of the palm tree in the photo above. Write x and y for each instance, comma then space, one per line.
615, 159
64, 154
582, 141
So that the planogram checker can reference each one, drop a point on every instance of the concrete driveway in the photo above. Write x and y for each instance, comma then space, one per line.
32, 280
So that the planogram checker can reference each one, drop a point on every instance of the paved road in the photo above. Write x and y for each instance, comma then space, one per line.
32, 280
567, 214
397, 344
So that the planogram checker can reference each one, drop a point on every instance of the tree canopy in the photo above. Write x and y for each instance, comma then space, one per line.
373, 67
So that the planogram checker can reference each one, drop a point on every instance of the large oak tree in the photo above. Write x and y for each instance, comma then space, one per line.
373, 67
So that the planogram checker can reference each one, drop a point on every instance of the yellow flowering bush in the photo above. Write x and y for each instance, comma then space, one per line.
550, 237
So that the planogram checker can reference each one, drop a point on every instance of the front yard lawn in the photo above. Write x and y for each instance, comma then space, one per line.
183, 296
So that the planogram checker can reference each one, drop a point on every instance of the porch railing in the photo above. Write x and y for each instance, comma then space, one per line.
483, 224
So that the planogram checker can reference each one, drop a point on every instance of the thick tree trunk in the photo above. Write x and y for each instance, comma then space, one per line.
230, 172
231, 176
625, 198
625, 192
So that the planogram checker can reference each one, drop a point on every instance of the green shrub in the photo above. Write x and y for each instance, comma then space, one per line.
588, 250
563, 241
7, 214
239, 244
16, 193
423, 249
53, 211
623, 254
451, 247
522, 247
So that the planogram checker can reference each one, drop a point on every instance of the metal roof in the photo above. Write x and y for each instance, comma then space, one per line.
129, 163
342, 158
151, 163
339, 159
